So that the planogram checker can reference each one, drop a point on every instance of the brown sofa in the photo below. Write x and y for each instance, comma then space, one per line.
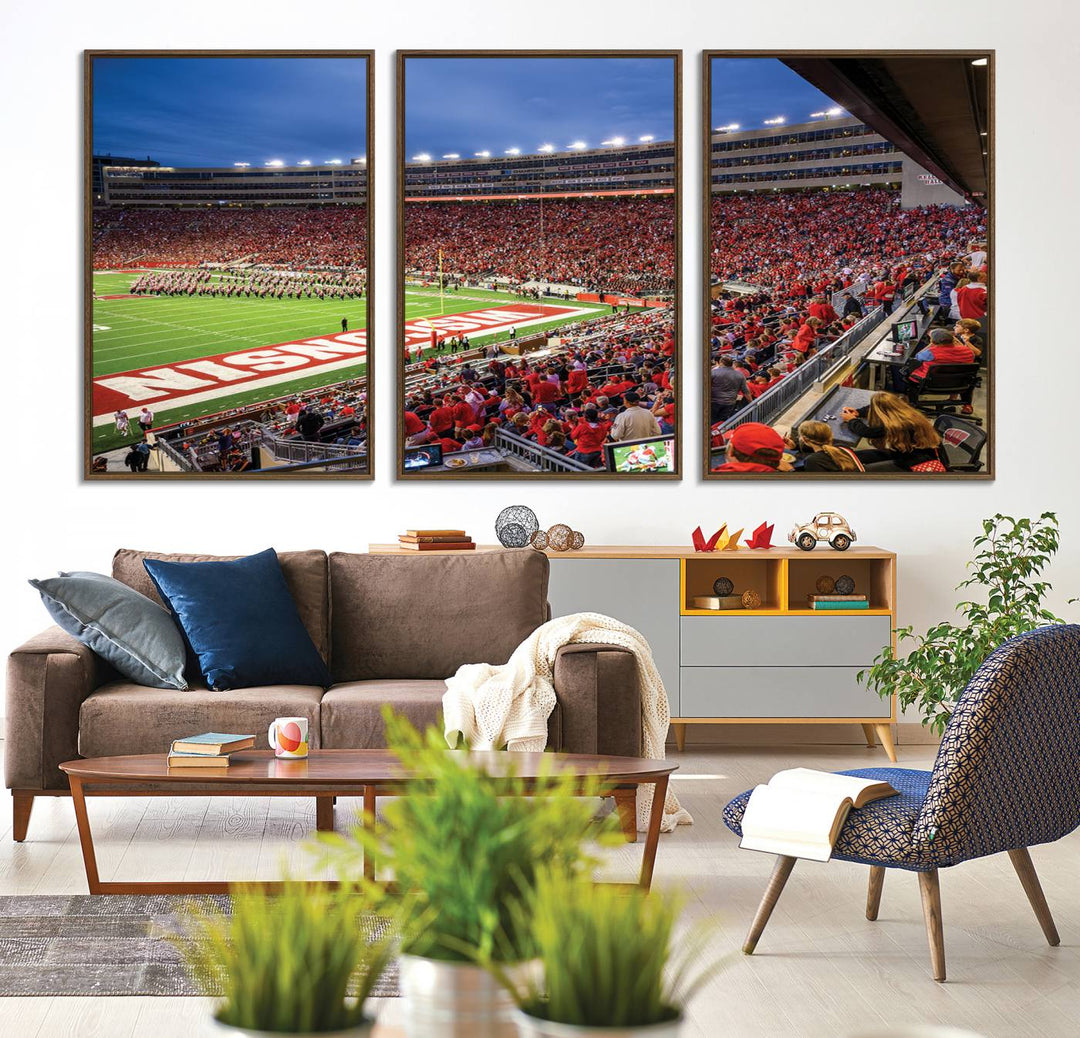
391, 629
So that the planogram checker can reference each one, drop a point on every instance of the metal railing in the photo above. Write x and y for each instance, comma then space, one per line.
303, 451
543, 458
774, 402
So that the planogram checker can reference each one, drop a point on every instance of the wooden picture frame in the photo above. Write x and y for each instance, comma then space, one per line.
708, 460
403, 57
312, 471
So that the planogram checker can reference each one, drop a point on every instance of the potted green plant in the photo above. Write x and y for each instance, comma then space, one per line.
1010, 557
465, 848
607, 966
298, 962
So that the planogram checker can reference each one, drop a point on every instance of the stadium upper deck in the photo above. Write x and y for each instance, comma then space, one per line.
329, 184
642, 168
825, 153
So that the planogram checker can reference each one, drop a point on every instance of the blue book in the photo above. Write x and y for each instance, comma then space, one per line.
212, 744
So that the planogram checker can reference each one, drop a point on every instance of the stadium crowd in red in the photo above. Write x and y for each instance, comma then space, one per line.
610, 380
294, 236
615, 244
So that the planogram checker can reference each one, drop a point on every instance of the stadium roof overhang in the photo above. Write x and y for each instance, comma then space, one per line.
934, 107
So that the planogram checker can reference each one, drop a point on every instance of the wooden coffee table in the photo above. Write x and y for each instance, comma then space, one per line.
327, 774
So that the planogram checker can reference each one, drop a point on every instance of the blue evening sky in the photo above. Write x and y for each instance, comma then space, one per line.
466, 105
217, 111
748, 91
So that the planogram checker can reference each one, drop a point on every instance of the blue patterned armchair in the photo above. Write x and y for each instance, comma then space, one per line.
1006, 777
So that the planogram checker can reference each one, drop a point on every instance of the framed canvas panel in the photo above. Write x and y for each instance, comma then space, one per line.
228, 257
848, 265
539, 259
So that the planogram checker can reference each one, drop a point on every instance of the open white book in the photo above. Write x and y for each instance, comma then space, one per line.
801, 811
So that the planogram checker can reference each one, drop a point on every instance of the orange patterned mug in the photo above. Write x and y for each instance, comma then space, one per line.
288, 737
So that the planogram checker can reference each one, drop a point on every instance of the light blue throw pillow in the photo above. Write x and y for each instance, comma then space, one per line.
136, 635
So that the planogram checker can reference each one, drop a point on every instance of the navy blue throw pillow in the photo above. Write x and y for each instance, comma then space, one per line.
240, 621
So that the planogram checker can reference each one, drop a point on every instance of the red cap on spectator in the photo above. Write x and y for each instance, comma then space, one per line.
755, 438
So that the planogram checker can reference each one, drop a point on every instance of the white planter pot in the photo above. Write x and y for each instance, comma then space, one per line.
359, 1031
452, 1000
533, 1027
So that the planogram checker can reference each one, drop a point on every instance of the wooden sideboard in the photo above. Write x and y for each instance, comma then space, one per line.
779, 663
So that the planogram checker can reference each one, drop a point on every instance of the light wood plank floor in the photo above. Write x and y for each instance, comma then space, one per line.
820, 970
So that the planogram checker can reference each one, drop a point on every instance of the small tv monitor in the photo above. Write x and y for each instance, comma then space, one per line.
425, 456
656, 454
905, 331
908, 290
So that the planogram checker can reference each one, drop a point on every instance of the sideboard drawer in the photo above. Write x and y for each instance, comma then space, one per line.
778, 692
797, 641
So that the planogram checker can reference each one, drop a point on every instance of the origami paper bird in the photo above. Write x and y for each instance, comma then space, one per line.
762, 536
700, 544
733, 541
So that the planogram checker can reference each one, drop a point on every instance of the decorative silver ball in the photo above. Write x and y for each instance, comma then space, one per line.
845, 585
515, 526
723, 586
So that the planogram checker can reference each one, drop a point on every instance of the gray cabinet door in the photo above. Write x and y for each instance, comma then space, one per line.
643, 593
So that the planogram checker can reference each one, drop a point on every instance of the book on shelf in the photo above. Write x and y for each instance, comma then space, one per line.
433, 538
717, 602
837, 598
859, 603
212, 744
460, 545
197, 760
800, 812
455, 534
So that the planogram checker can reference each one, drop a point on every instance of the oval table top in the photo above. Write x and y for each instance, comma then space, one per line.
374, 767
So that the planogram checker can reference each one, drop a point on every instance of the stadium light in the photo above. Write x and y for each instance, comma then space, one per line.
242, 165
615, 142
304, 162
512, 151
578, 145
646, 138
451, 155
333, 162
818, 115
482, 154
728, 128
422, 157
275, 163
778, 121
546, 149
979, 62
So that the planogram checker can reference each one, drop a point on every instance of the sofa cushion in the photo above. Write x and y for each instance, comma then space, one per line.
352, 712
398, 616
122, 718
304, 571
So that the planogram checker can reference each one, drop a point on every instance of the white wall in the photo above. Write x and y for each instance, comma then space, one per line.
55, 521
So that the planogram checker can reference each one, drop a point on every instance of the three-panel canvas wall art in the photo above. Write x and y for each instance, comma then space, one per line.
841, 326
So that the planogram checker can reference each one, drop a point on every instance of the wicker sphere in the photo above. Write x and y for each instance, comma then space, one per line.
845, 585
825, 585
751, 599
540, 540
515, 526
560, 537
723, 586
577, 542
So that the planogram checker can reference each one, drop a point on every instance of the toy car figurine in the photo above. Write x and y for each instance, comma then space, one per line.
825, 526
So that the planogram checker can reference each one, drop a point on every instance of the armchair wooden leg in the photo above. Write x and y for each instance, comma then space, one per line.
22, 804
1021, 860
931, 906
873, 892
781, 871
884, 732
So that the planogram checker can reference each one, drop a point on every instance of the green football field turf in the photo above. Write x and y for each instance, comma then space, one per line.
149, 331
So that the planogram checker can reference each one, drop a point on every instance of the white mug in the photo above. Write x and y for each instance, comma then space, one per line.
288, 737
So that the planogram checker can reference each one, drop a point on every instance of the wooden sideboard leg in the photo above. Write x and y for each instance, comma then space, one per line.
781, 871
871, 740
873, 891
21, 804
930, 892
626, 805
324, 814
884, 732
1025, 869
680, 736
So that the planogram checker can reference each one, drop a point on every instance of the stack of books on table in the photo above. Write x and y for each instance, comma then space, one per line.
826, 602
436, 540
209, 750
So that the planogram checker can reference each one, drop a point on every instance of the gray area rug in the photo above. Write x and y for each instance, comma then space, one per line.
110, 944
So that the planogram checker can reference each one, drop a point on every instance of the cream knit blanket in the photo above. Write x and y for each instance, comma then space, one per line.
494, 706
